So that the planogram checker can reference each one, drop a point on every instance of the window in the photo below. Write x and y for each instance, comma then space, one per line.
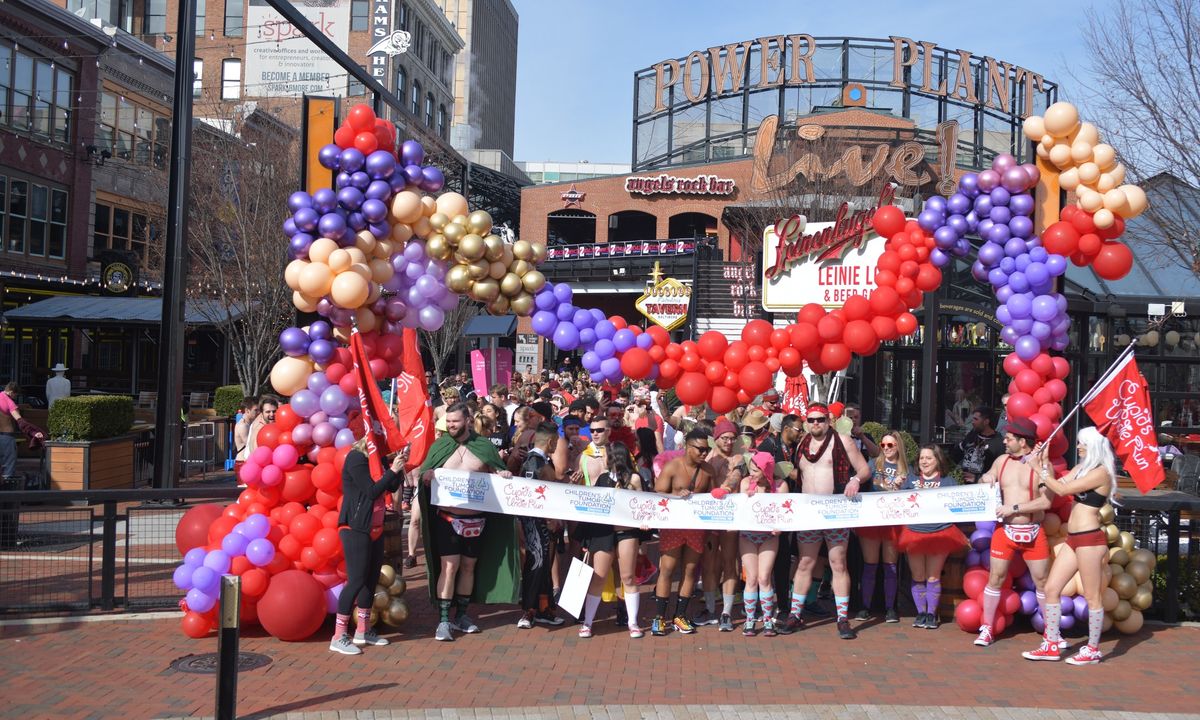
35, 95
401, 81
441, 124
235, 18
132, 132
359, 14
197, 78
118, 228
200, 13
429, 110
33, 218
418, 43
125, 121
154, 19
402, 16
231, 79
416, 98
22, 91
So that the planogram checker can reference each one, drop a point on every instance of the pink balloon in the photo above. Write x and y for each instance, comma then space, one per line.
261, 456
285, 457
250, 473
271, 475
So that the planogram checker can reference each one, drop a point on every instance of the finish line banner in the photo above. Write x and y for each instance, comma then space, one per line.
763, 511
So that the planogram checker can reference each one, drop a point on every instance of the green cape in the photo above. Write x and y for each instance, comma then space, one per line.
498, 571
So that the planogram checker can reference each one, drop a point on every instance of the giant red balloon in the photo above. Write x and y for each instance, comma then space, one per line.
757, 332
293, 607
1061, 238
754, 378
804, 336
888, 220
835, 356
192, 530
1114, 261
860, 337
692, 388
723, 400
712, 345
636, 363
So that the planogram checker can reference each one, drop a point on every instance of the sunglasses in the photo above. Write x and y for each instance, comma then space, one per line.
817, 420
701, 448
599, 430
887, 445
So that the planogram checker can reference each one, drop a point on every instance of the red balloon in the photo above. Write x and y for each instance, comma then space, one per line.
1057, 389
221, 527
691, 362
757, 353
384, 140
737, 355
905, 286
1043, 365
1021, 405
835, 356
286, 418
620, 324
772, 364
668, 370
1013, 364
856, 307
1114, 231
254, 582
303, 527
884, 327
836, 409
324, 477
660, 336
285, 438
297, 484
379, 368
1062, 368
192, 530
780, 339
1052, 411
268, 436
803, 336
657, 354
906, 323
928, 278
744, 397
290, 547
1080, 219
754, 378
1061, 238
293, 607
888, 220
860, 337
674, 351
890, 260
1114, 261
1043, 425
196, 625
1090, 244
829, 328
366, 142
343, 137
790, 361
349, 384
636, 363
757, 332
715, 372
886, 301
692, 388
1041, 396
722, 400
1058, 446
712, 345
974, 581
810, 313
361, 117
1028, 381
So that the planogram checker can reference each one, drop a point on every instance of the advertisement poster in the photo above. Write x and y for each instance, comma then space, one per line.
481, 376
280, 61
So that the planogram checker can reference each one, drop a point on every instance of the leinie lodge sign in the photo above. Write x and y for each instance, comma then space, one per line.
723, 70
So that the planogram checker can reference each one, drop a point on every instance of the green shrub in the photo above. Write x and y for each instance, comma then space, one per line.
1189, 585
227, 400
911, 447
91, 417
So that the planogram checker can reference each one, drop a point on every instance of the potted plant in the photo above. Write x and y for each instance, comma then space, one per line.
90, 445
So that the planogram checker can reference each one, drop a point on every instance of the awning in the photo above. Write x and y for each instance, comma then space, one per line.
93, 310
490, 326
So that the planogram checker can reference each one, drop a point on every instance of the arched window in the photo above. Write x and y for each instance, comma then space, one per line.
441, 123
570, 227
429, 110
416, 98
691, 225
632, 225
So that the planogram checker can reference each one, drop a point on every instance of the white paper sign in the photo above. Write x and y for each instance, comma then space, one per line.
281, 61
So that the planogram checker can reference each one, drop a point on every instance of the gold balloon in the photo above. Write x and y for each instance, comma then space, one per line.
1124, 585
1143, 555
460, 219
495, 248
522, 304
533, 281
436, 246
508, 258
454, 232
486, 290
1142, 599
480, 270
539, 252
1114, 570
510, 285
398, 587
497, 270
1112, 533
458, 278
520, 267
381, 599
479, 222
1108, 622
1107, 514
471, 246
1122, 610
396, 612
523, 250
387, 575
439, 220
1109, 599
1118, 555
1131, 624
1127, 543
499, 306
1139, 571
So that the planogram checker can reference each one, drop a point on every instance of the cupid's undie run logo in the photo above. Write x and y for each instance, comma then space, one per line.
525, 497
898, 507
643, 510
773, 513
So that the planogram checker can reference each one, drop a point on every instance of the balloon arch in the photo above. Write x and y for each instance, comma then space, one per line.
380, 253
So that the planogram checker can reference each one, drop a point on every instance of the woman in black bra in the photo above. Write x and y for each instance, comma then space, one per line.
1093, 482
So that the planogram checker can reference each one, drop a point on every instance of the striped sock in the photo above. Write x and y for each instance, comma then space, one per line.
991, 601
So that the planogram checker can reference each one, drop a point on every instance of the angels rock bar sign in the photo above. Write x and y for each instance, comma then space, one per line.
671, 185
725, 70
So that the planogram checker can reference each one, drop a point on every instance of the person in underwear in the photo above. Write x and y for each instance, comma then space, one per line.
721, 546
829, 462
681, 477
1023, 503
929, 544
606, 543
758, 549
890, 471
1093, 482
455, 538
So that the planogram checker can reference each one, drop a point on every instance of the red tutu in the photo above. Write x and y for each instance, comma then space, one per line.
941, 542
888, 533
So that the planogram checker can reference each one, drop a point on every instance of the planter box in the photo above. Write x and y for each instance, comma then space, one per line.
91, 464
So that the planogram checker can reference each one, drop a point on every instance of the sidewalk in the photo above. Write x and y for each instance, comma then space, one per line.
121, 668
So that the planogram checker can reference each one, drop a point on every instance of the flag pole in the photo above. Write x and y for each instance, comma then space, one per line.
1087, 397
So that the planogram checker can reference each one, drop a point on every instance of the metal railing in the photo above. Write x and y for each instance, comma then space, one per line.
99, 549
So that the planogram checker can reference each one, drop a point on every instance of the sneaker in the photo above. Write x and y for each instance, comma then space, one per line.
845, 632
1047, 651
892, 616
919, 621
585, 631
863, 614
985, 637
635, 632
707, 618
342, 644
726, 624
443, 632
371, 637
748, 628
526, 621
1064, 644
1087, 655
464, 623
794, 623
932, 621
547, 618
658, 627
683, 625
410, 562
769, 627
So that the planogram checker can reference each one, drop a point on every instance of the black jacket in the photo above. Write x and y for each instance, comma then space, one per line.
359, 493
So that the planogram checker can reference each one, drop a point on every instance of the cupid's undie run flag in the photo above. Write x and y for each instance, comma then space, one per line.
414, 414
1120, 407
795, 395
382, 435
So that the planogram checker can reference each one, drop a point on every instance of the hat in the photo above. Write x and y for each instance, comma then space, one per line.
772, 395
765, 462
818, 406
1022, 427
554, 385
776, 422
723, 426
59, 368
440, 425
543, 409
755, 419
641, 393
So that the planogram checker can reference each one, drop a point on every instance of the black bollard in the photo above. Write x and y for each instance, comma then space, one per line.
227, 647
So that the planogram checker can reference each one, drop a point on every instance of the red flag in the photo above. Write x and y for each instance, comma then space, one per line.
1121, 410
795, 395
382, 435
414, 413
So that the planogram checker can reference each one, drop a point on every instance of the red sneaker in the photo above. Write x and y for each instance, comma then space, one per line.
1087, 655
985, 637
1049, 650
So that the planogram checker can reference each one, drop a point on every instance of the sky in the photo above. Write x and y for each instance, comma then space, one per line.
576, 58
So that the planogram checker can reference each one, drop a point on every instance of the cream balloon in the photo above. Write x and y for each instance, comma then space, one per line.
1081, 151
1061, 119
1060, 155
1103, 218
1034, 127
339, 260
452, 204
356, 255
1118, 174
1088, 133
365, 241
1069, 179
315, 279
1112, 571
383, 249
303, 302
290, 375
1089, 173
381, 270
291, 273
496, 270
401, 233
1116, 200
428, 206
1122, 610
365, 319
1109, 599
321, 249
1089, 199
1135, 200
1072, 587
1105, 183
1042, 151
406, 207
1124, 585
507, 257
1151, 339
1108, 622
1105, 156
422, 228
349, 290
376, 290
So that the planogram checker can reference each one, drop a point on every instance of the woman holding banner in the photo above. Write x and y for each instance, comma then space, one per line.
890, 469
604, 542
1093, 482
928, 544
759, 548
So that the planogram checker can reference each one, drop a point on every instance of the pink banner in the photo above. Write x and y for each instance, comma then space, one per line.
480, 376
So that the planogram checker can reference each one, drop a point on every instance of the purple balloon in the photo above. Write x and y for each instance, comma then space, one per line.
644, 341
990, 253
431, 318
1081, 609
1067, 604
298, 200
1009, 335
260, 551
587, 337
344, 438
545, 300
1014, 247
342, 180
983, 205
194, 557
234, 545
566, 336
413, 174
563, 292
1056, 265
544, 322
958, 223
611, 368
936, 203
996, 233
972, 558
1019, 306
1020, 226
1018, 282
289, 227
989, 180
199, 601
374, 210
324, 200
939, 258
988, 526
997, 277
217, 561
351, 160
183, 577
1037, 275
321, 351
1027, 348
317, 382
350, 198
379, 190
605, 348
334, 401
1015, 180
360, 180
999, 197
328, 156
1067, 621
332, 225
930, 220
590, 361
979, 271
969, 184
302, 433
380, 164
432, 179
981, 540
339, 422
945, 237
306, 402
411, 153
624, 339
1041, 331
1000, 214
306, 219
1021, 204
318, 417
1029, 604
565, 312
605, 329
323, 434
299, 245
294, 341
958, 204
1025, 582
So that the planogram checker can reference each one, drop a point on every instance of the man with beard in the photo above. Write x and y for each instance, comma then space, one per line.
455, 538
828, 462
980, 448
